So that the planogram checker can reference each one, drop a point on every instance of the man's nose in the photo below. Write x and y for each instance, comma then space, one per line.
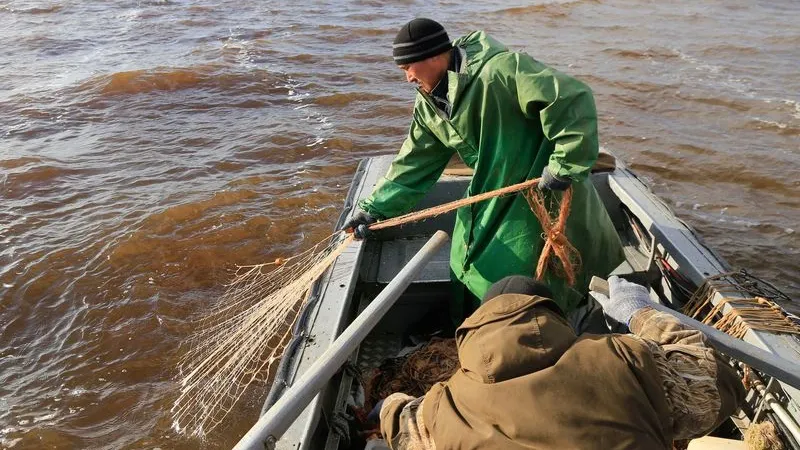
409, 77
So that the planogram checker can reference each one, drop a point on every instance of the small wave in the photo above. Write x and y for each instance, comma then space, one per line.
34, 10
348, 98
368, 17
790, 39
743, 176
303, 58
48, 46
19, 162
669, 160
10, 443
795, 105
175, 79
195, 210
201, 9
649, 103
284, 139
361, 32
550, 9
37, 174
378, 58
769, 123
333, 171
173, 229
371, 32
137, 81
340, 143
716, 50
734, 104
42, 114
640, 86
649, 53
200, 23
785, 129
695, 149
155, 2
773, 229
699, 64
228, 166
254, 180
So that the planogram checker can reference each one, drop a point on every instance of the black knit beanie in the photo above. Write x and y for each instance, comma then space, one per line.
420, 39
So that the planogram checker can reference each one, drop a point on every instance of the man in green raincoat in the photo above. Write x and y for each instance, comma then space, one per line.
510, 118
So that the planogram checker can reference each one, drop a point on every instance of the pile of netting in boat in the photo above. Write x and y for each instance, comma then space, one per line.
414, 373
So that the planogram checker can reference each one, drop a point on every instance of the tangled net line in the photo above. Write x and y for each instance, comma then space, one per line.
413, 374
237, 343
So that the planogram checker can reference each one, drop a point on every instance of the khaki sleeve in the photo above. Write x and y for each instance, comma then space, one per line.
402, 423
701, 388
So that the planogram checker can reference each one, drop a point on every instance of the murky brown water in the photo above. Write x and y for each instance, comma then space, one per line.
147, 146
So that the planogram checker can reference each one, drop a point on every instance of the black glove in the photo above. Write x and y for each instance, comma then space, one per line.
359, 225
551, 182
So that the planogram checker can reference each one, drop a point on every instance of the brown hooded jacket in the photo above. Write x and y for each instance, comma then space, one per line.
527, 382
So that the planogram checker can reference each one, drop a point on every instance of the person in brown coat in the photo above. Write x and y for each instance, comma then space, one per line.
528, 382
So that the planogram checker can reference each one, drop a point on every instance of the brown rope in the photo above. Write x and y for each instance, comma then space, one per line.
415, 373
553, 228
555, 237
447, 207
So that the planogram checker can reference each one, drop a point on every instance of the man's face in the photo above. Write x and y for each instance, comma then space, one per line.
426, 73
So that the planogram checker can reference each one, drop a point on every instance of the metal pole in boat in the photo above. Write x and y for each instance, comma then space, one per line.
745, 352
280, 416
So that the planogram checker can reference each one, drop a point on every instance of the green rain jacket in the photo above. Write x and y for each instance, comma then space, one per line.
511, 117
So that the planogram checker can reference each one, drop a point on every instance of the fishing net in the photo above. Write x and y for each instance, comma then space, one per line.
763, 436
238, 342
751, 310
413, 374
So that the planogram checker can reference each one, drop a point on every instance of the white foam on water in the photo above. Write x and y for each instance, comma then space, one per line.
718, 76
796, 105
317, 141
77, 392
245, 49
9, 443
771, 122
49, 416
